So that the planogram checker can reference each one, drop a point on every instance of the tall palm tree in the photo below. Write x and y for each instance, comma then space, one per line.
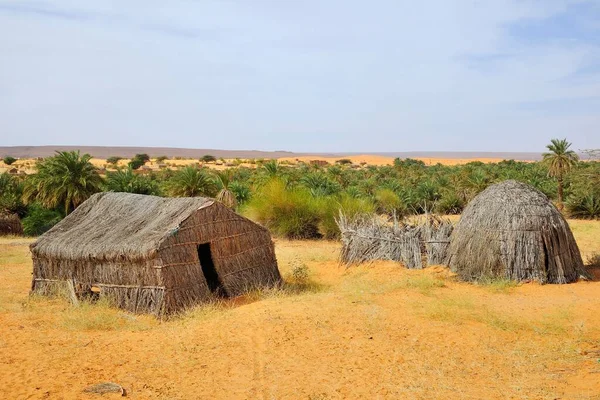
559, 161
191, 182
225, 195
66, 179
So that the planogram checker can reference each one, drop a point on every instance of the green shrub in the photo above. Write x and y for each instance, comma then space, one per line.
241, 191
113, 160
39, 220
126, 181
450, 204
389, 202
584, 205
330, 210
208, 158
8, 160
291, 213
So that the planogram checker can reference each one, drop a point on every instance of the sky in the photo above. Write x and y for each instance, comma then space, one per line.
305, 76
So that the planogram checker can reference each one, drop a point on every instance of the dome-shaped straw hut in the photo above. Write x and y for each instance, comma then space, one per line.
511, 230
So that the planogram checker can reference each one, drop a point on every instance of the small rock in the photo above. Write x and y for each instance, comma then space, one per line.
106, 387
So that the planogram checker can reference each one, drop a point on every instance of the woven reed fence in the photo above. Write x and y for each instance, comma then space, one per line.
367, 238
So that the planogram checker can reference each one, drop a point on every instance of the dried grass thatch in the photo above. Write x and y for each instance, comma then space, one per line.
512, 231
10, 224
367, 238
143, 252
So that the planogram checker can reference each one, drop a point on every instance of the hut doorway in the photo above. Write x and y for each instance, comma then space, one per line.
208, 269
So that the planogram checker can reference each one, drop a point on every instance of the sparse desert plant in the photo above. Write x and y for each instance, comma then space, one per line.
344, 161
593, 261
160, 159
208, 158
114, 160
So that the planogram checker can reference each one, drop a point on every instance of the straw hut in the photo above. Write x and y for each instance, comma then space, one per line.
10, 224
511, 230
153, 255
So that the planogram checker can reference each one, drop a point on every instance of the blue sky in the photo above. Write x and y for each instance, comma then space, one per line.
311, 75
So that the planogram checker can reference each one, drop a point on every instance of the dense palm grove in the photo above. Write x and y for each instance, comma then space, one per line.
302, 200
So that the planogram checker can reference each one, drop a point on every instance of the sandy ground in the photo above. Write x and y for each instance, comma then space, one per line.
27, 165
377, 331
381, 160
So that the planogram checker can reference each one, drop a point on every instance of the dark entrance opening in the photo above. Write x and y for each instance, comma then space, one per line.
208, 269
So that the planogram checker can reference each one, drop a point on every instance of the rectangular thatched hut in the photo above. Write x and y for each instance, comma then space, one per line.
154, 255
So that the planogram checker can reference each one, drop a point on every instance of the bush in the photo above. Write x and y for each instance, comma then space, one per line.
208, 158
584, 205
11, 193
450, 204
135, 163
8, 160
113, 160
39, 220
241, 192
350, 206
126, 181
160, 159
138, 160
344, 161
291, 213
389, 202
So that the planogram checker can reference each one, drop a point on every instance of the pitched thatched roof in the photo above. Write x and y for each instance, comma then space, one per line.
511, 230
111, 226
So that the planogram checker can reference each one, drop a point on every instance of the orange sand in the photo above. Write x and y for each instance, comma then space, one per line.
381, 160
372, 332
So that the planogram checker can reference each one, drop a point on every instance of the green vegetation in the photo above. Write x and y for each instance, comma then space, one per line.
192, 182
113, 160
303, 200
138, 160
208, 158
559, 161
66, 179
8, 160
125, 180
39, 220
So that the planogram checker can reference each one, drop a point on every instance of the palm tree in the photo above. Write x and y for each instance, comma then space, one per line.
66, 179
191, 182
225, 195
125, 180
559, 161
